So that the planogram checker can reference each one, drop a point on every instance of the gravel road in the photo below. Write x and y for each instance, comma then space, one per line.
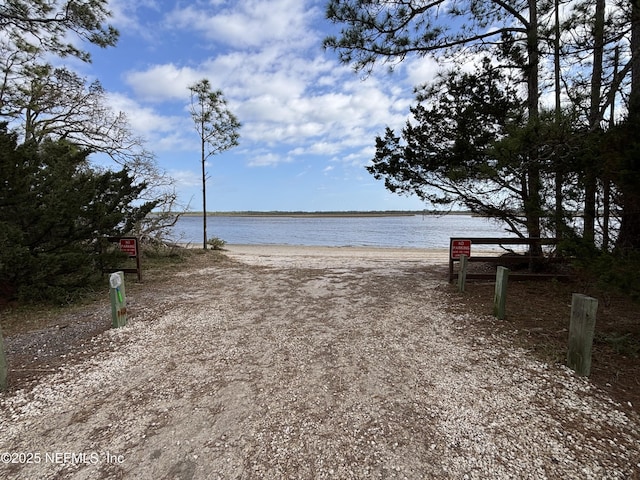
285, 362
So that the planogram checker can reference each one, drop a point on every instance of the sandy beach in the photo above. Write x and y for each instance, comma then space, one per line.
281, 362
318, 256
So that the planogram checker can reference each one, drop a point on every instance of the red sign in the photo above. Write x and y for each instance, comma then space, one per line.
129, 246
460, 247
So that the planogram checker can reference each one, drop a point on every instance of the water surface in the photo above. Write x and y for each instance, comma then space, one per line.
414, 231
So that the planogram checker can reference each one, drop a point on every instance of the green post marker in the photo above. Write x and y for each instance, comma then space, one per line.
500, 297
581, 330
3, 365
462, 273
118, 300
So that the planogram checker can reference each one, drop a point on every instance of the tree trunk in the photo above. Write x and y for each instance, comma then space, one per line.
591, 166
606, 213
557, 164
204, 196
629, 237
606, 192
629, 184
533, 202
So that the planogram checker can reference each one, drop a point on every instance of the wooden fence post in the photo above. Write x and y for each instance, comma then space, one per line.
118, 298
500, 297
3, 365
462, 273
581, 329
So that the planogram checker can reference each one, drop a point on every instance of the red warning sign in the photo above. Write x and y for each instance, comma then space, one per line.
460, 247
129, 246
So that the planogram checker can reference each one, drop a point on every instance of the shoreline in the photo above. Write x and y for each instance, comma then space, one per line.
325, 256
305, 214
326, 250
320, 250
327, 214
431, 255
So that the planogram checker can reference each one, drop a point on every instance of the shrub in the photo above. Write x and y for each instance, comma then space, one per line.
216, 243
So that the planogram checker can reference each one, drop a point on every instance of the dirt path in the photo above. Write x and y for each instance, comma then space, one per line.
310, 363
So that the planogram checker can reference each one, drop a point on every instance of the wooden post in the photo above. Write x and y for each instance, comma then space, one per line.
3, 365
118, 298
581, 329
500, 297
462, 273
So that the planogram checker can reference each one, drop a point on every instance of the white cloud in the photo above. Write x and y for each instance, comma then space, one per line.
163, 82
248, 23
141, 119
356, 158
186, 178
320, 148
161, 132
421, 70
267, 160
139, 18
292, 99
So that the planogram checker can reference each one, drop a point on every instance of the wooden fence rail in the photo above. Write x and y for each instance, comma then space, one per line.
129, 246
529, 257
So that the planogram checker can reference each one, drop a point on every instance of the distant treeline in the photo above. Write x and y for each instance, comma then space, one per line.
349, 213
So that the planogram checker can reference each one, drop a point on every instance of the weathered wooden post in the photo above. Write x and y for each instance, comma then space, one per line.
462, 273
500, 297
118, 300
581, 329
3, 365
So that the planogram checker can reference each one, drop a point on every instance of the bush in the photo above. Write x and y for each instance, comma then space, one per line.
216, 243
618, 272
53, 210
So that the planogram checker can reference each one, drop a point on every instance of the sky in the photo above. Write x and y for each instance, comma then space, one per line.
308, 122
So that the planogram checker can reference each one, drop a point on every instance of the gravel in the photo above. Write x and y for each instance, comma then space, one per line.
290, 362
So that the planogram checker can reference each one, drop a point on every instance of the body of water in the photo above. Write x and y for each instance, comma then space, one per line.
414, 231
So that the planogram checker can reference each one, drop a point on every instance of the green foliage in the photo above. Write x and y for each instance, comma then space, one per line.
622, 343
617, 272
217, 126
621, 152
45, 26
216, 243
53, 209
218, 129
622, 272
445, 155
160, 252
487, 143
387, 32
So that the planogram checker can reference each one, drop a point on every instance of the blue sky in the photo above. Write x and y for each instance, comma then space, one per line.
309, 123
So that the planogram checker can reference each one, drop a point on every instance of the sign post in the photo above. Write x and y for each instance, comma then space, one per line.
462, 274
130, 247
460, 250
118, 298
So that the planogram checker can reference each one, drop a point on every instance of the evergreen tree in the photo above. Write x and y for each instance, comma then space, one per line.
54, 209
46, 26
218, 130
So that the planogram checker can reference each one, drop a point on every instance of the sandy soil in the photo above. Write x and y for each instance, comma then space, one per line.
287, 362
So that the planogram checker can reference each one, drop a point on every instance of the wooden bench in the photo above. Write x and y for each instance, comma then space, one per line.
129, 246
527, 258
